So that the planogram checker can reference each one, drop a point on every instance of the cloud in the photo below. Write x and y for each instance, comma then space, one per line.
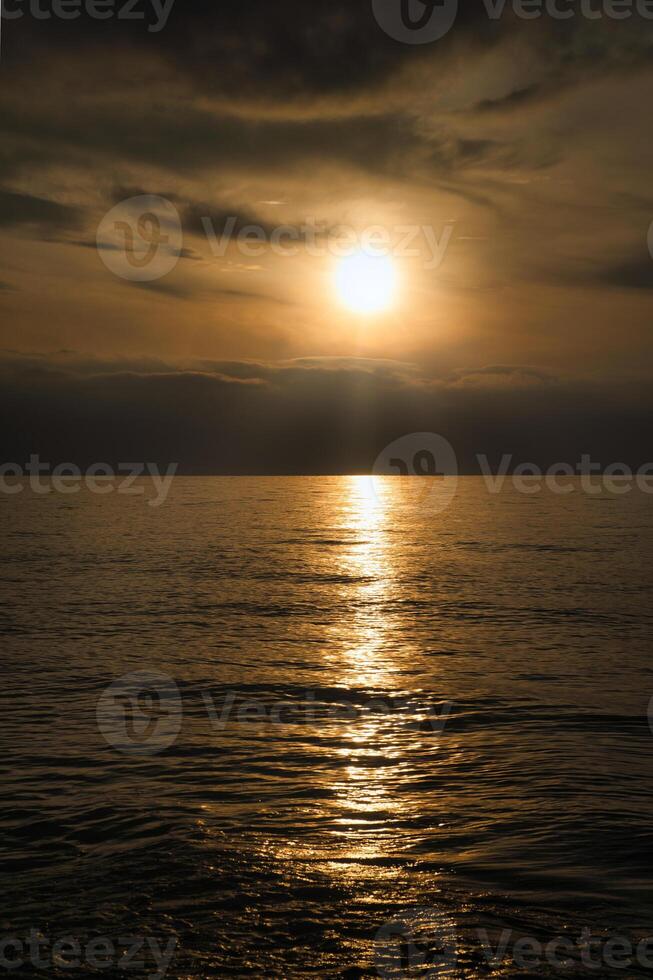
507, 375
165, 287
263, 53
634, 273
527, 134
309, 416
517, 98
25, 209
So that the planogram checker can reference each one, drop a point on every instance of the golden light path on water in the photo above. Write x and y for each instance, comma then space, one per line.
368, 562
361, 792
368, 807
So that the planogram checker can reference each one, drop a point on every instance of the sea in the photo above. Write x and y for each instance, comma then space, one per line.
327, 727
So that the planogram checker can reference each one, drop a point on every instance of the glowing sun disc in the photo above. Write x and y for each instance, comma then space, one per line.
366, 283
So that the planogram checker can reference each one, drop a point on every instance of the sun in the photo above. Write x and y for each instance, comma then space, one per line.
366, 283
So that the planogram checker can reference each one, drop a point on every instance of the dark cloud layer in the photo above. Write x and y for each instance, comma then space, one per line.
25, 209
296, 49
311, 416
635, 273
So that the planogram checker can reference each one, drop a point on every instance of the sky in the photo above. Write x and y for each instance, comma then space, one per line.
517, 154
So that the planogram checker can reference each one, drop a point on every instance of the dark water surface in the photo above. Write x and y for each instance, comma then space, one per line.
315, 636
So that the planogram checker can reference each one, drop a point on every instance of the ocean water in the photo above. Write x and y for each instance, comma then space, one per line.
377, 730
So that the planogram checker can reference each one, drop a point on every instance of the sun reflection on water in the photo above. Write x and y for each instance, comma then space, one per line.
366, 809
366, 564
355, 800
